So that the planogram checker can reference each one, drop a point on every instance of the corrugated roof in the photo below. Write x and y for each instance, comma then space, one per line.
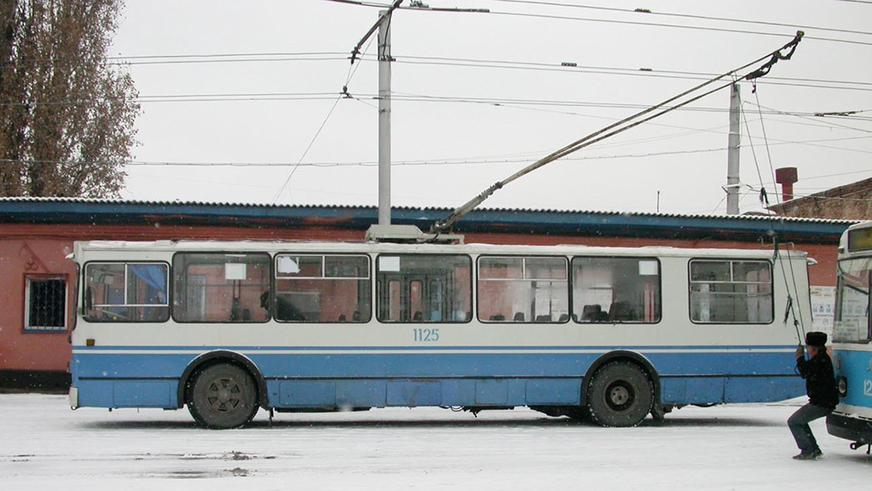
232, 204
562, 222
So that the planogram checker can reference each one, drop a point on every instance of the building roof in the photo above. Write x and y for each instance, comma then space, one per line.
486, 220
844, 192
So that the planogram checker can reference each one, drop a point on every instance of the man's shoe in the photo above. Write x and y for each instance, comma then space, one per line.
810, 455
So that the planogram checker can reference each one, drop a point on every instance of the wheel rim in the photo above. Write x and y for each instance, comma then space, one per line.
224, 395
620, 395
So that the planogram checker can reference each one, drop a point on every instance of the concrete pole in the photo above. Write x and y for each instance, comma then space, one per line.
384, 120
733, 151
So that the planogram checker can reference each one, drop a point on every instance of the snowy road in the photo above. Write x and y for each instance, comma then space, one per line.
44, 445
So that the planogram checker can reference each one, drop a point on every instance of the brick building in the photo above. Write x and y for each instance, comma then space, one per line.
849, 202
38, 283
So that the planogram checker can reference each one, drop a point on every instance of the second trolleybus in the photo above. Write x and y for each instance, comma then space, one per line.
852, 338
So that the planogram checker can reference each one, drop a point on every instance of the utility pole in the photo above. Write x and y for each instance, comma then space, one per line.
384, 118
735, 141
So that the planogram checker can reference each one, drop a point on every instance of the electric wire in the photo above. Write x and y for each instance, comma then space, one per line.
625, 124
763, 193
810, 118
427, 162
352, 70
607, 21
563, 67
645, 11
571, 68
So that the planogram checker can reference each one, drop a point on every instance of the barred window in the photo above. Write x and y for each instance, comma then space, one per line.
46, 304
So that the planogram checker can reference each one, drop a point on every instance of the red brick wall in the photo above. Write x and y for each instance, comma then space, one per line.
20, 258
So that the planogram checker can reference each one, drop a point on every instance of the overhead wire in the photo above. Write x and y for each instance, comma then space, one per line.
562, 67
574, 68
352, 70
785, 52
646, 11
600, 20
423, 162
810, 118
764, 200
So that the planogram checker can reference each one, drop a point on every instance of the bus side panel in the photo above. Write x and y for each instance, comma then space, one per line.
127, 393
692, 390
430, 392
856, 367
359, 378
128, 380
762, 389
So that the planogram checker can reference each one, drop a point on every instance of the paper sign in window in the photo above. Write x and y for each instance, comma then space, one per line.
234, 271
389, 263
648, 268
287, 265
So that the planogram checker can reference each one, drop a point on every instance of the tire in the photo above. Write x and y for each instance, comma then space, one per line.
620, 394
222, 396
580, 414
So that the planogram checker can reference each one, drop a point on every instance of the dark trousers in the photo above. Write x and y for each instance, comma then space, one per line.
798, 423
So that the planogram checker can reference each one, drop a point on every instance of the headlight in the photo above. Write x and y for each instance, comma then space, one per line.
842, 385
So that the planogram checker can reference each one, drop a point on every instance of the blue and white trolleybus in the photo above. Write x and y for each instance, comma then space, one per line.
614, 334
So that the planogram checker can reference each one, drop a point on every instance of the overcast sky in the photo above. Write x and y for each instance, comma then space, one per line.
688, 165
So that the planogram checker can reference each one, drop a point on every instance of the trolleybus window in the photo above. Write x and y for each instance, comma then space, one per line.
616, 289
221, 287
424, 288
852, 307
126, 292
322, 288
723, 292
523, 289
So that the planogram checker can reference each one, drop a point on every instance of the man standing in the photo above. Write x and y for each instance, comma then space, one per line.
820, 383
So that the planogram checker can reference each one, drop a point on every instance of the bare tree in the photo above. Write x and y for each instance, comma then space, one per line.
66, 115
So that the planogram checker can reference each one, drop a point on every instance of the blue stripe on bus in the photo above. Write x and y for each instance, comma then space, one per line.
359, 379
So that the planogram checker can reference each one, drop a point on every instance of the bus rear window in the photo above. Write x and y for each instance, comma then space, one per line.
126, 292
221, 287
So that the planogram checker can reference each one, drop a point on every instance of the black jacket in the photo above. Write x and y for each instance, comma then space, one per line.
820, 381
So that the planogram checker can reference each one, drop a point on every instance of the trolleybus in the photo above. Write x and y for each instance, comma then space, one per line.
852, 333
611, 334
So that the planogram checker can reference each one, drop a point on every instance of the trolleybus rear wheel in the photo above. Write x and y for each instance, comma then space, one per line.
222, 396
620, 394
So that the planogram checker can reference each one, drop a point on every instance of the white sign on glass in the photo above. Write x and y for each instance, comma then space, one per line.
648, 268
287, 265
389, 263
234, 271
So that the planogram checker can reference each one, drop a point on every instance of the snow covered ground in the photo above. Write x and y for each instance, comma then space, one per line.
45, 445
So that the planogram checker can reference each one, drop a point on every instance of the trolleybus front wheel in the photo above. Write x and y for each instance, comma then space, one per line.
222, 396
620, 394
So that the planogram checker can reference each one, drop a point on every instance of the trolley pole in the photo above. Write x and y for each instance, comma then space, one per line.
384, 118
733, 151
